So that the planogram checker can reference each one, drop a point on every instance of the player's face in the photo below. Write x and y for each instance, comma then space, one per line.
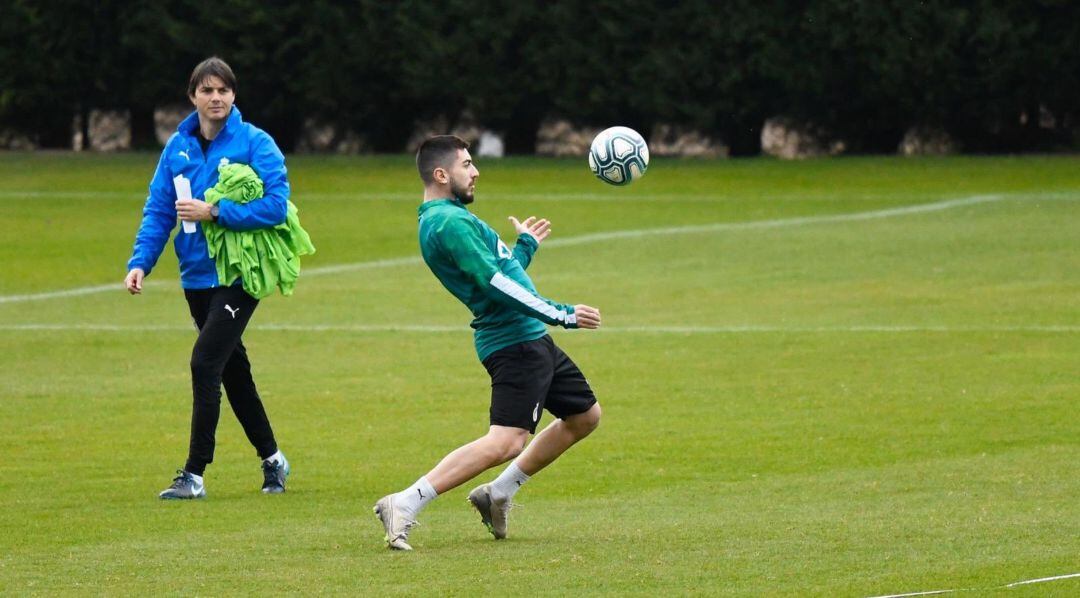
213, 100
463, 175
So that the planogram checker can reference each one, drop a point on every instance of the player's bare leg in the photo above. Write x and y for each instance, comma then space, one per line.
492, 500
398, 512
556, 438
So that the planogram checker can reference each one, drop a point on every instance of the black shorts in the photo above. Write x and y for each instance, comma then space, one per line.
531, 376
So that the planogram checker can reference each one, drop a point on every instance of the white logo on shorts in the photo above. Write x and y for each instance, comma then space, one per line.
231, 310
536, 411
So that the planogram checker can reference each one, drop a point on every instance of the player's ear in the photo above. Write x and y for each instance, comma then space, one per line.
440, 175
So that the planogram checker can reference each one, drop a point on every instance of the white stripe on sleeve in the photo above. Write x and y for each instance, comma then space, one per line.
520, 293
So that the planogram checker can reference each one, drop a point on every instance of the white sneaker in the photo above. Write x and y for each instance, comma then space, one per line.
493, 513
396, 524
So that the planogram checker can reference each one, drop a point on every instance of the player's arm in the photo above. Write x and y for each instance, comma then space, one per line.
269, 210
159, 218
530, 233
462, 240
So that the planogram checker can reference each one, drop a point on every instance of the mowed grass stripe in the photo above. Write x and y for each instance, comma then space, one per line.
591, 238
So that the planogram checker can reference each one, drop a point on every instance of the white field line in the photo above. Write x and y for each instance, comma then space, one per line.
777, 223
857, 328
1042, 579
930, 593
101, 288
584, 239
434, 328
1011, 585
384, 263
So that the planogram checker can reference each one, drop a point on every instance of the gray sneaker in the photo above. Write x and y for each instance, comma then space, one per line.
396, 524
183, 486
274, 474
493, 513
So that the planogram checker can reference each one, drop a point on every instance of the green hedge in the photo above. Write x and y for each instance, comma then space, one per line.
998, 75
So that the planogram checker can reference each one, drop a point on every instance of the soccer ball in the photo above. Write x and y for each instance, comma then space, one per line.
618, 156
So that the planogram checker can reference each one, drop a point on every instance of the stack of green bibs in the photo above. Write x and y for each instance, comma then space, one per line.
264, 258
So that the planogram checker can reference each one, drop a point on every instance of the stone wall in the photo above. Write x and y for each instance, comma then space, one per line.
926, 141
321, 137
10, 140
109, 130
167, 118
557, 137
788, 139
482, 142
465, 127
669, 140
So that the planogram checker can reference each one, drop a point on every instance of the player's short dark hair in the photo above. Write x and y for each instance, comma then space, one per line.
211, 67
437, 151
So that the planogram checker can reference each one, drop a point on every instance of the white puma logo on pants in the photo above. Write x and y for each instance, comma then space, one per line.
231, 310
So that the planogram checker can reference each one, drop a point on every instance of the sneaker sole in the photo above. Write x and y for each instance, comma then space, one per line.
203, 495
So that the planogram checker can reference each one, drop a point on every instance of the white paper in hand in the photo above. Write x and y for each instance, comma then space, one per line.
183, 191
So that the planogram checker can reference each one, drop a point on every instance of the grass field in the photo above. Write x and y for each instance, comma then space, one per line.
848, 377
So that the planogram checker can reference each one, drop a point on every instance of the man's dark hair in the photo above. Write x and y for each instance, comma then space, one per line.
211, 67
435, 152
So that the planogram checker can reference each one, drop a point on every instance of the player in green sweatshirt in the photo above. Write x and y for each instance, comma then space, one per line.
528, 371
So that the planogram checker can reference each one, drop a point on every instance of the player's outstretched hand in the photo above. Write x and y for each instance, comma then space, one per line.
133, 281
587, 317
539, 229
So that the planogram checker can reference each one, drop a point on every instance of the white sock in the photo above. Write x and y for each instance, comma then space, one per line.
197, 478
508, 482
416, 497
276, 458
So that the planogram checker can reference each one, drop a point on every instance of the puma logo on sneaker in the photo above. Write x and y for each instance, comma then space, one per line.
231, 310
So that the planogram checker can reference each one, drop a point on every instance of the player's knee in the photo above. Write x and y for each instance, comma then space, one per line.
507, 446
584, 423
512, 451
592, 417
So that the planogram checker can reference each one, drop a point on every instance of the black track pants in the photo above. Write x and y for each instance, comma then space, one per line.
219, 357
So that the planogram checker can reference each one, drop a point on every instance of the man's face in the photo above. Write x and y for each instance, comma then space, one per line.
463, 175
212, 99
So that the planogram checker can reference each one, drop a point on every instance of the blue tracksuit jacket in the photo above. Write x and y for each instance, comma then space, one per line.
238, 142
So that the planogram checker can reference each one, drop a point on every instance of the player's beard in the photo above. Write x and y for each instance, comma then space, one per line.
461, 192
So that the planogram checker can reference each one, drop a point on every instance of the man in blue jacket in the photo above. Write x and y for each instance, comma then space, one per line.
214, 134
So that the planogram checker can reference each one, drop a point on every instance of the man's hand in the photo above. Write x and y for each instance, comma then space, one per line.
539, 229
133, 281
587, 317
193, 210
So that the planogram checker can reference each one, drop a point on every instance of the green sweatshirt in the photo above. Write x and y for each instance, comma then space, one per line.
265, 258
470, 260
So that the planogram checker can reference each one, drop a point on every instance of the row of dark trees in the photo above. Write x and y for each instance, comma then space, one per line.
998, 75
